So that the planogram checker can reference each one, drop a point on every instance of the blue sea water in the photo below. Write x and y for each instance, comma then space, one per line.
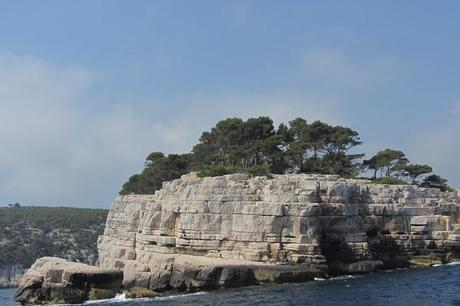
428, 286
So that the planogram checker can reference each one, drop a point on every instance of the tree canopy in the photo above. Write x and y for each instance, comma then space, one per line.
391, 166
387, 162
413, 171
256, 147
435, 181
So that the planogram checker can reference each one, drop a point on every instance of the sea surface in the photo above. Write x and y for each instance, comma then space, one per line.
428, 286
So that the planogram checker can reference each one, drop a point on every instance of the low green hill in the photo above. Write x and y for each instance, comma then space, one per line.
27, 233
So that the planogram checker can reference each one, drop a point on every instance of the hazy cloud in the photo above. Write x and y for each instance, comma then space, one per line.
335, 65
456, 109
439, 146
58, 149
55, 153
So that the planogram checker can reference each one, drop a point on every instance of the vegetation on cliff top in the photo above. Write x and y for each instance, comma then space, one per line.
29, 233
256, 147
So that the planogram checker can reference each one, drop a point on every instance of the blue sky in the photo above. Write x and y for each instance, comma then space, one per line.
89, 88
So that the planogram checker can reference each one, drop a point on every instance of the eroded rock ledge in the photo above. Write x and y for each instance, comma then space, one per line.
234, 230
55, 280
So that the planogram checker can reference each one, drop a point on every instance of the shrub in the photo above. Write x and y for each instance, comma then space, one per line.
217, 170
389, 181
259, 170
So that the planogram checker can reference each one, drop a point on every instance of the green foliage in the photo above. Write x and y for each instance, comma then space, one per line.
393, 164
259, 170
29, 233
321, 148
158, 169
435, 181
389, 181
387, 162
256, 147
413, 171
217, 170
237, 143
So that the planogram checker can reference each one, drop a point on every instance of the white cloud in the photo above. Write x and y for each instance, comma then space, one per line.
55, 153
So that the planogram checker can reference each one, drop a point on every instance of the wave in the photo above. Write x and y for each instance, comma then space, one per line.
179, 295
121, 298
343, 277
454, 263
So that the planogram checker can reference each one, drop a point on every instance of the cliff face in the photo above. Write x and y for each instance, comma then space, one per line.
235, 230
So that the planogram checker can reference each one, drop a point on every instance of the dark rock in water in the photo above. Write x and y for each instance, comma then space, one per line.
55, 280
138, 292
363, 266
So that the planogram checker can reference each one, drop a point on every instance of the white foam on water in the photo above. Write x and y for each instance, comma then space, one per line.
343, 277
393, 270
454, 263
119, 298
179, 295
319, 279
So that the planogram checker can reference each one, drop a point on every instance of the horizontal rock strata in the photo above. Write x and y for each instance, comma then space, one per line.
55, 280
235, 230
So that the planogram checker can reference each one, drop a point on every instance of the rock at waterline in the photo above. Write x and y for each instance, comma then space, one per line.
55, 280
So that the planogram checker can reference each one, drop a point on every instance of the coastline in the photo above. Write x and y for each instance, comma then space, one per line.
233, 231
345, 281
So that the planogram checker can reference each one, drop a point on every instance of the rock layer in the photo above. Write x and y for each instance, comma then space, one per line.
235, 230
55, 280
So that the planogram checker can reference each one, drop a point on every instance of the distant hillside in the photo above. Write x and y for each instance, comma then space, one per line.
27, 233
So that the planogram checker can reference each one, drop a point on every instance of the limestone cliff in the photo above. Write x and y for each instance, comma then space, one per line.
235, 230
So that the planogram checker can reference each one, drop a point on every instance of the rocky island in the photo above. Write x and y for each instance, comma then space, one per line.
236, 230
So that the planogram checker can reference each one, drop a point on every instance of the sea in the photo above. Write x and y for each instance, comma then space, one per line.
424, 286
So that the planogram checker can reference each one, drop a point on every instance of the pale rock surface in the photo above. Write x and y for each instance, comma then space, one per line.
55, 280
235, 230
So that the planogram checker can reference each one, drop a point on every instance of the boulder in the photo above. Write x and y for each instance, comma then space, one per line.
55, 280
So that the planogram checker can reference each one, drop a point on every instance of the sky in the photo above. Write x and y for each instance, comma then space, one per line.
89, 88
